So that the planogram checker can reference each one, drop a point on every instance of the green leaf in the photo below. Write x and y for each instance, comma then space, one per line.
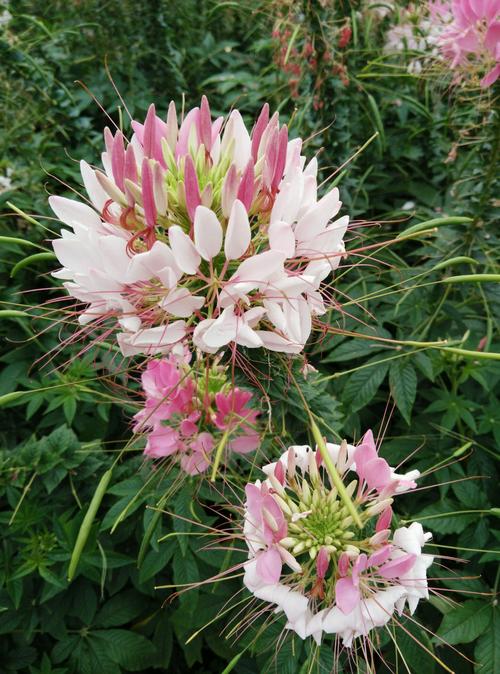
363, 384
121, 609
128, 649
403, 383
465, 623
487, 652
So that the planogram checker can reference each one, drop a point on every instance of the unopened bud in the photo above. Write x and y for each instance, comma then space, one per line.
378, 507
306, 492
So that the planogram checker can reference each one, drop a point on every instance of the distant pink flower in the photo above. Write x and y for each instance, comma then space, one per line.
470, 35
203, 234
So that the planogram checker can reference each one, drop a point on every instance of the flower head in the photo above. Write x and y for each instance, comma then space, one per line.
203, 232
187, 411
309, 559
469, 36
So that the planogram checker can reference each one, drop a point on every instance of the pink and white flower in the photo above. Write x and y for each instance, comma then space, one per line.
205, 232
308, 558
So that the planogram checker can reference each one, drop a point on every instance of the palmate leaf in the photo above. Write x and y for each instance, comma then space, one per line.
403, 383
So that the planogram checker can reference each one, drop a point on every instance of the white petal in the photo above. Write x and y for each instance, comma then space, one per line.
96, 193
153, 262
186, 255
275, 342
180, 302
246, 336
207, 233
238, 232
282, 238
314, 221
69, 212
223, 329
152, 340
259, 267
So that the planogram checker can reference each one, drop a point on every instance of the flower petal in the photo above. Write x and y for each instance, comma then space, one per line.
207, 233
238, 233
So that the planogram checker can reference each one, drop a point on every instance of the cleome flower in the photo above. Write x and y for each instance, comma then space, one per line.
203, 233
187, 412
308, 558
469, 36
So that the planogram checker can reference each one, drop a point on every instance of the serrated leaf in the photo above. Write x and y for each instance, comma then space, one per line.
403, 383
465, 623
120, 609
128, 649
487, 652
363, 384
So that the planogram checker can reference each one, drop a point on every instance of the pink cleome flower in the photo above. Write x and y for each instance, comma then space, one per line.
308, 558
185, 420
470, 36
205, 234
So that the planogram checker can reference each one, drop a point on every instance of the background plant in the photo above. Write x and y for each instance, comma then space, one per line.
434, 155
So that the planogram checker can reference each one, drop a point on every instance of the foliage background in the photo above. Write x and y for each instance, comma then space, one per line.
434, 155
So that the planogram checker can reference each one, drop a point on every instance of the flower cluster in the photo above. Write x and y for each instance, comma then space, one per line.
188, 412
309, 558
414, 32
204, 234
469, 36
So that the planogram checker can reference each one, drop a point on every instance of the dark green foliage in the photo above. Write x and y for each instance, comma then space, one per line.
71, 417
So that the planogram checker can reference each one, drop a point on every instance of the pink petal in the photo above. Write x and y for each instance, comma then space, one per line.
149, 137
377, 474
347, 595
380, 556
384, 520
238, 232
269, 566
192, 190
397, 567
322, 562
148, 200
247, 186
205, 124
245, 443
491, 77
281, 158
258, 130
118, 160
130, 169
344, 562
279, 472
207, 233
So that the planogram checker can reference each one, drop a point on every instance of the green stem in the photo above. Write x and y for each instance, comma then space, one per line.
335, 478
218, 455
